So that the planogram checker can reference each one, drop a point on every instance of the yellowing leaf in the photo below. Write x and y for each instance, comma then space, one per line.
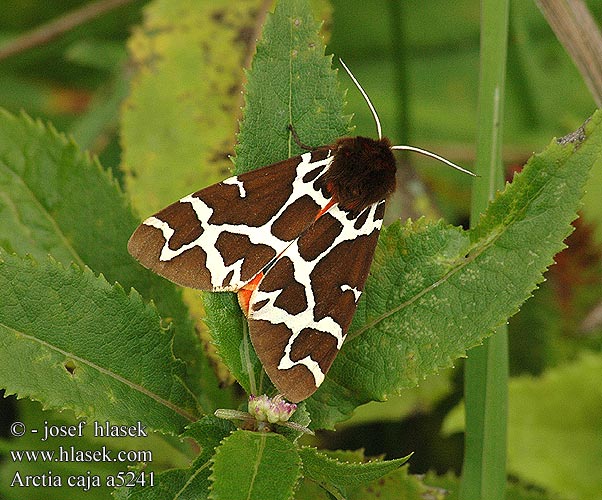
179, 123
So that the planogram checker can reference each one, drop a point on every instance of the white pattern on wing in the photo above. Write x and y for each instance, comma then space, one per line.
302, 274
235, 181
357, 293
165, 229
261, 235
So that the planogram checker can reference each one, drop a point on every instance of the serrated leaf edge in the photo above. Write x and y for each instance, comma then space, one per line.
355, 467
480, 245
116, 287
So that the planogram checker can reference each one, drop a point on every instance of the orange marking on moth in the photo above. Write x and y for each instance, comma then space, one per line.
244, 294
326, 208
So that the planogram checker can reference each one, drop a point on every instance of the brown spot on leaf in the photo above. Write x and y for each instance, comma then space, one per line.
245, 35
219, 156
218, 15
69, 365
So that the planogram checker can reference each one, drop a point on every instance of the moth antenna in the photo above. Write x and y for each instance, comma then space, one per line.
368, 101
435, 156
380, 132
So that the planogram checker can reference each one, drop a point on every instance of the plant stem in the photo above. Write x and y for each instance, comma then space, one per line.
401, 81
53, 29
486, 374
577, 31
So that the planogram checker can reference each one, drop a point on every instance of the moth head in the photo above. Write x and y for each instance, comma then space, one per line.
383, 140
362, 172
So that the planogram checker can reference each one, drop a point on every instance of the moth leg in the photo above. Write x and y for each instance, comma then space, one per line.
298, 141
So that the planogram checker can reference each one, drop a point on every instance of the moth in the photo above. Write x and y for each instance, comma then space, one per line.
294, 239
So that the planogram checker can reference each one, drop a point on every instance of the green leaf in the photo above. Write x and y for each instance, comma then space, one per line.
399, 485
449, 485
189, 483
229, 331
290, 81
420, 399
250, 465
55, 200
190, 57
396, 485
555, 437
29, 412
346, 476
71, 340
436, 291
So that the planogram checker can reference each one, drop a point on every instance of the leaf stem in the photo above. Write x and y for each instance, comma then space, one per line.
246, 358
55, 28
486, 374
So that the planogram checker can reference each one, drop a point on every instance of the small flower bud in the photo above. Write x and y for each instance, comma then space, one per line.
272, 410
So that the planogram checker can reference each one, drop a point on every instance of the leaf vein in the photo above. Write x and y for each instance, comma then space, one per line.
42, 209
104, 371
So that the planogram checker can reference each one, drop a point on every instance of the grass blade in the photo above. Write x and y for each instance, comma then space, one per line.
486, 376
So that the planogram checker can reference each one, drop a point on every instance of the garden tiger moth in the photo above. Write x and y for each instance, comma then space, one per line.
295, 239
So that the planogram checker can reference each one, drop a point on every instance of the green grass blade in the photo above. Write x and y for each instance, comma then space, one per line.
486, 376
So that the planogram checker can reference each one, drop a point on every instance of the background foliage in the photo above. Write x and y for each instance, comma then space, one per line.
419, 63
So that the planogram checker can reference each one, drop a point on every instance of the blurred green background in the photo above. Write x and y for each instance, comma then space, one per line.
419, 62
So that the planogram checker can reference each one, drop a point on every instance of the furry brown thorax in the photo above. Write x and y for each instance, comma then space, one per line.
362, 172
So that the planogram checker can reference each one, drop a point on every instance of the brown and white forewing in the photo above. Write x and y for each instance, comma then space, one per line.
300, 311
219, 238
